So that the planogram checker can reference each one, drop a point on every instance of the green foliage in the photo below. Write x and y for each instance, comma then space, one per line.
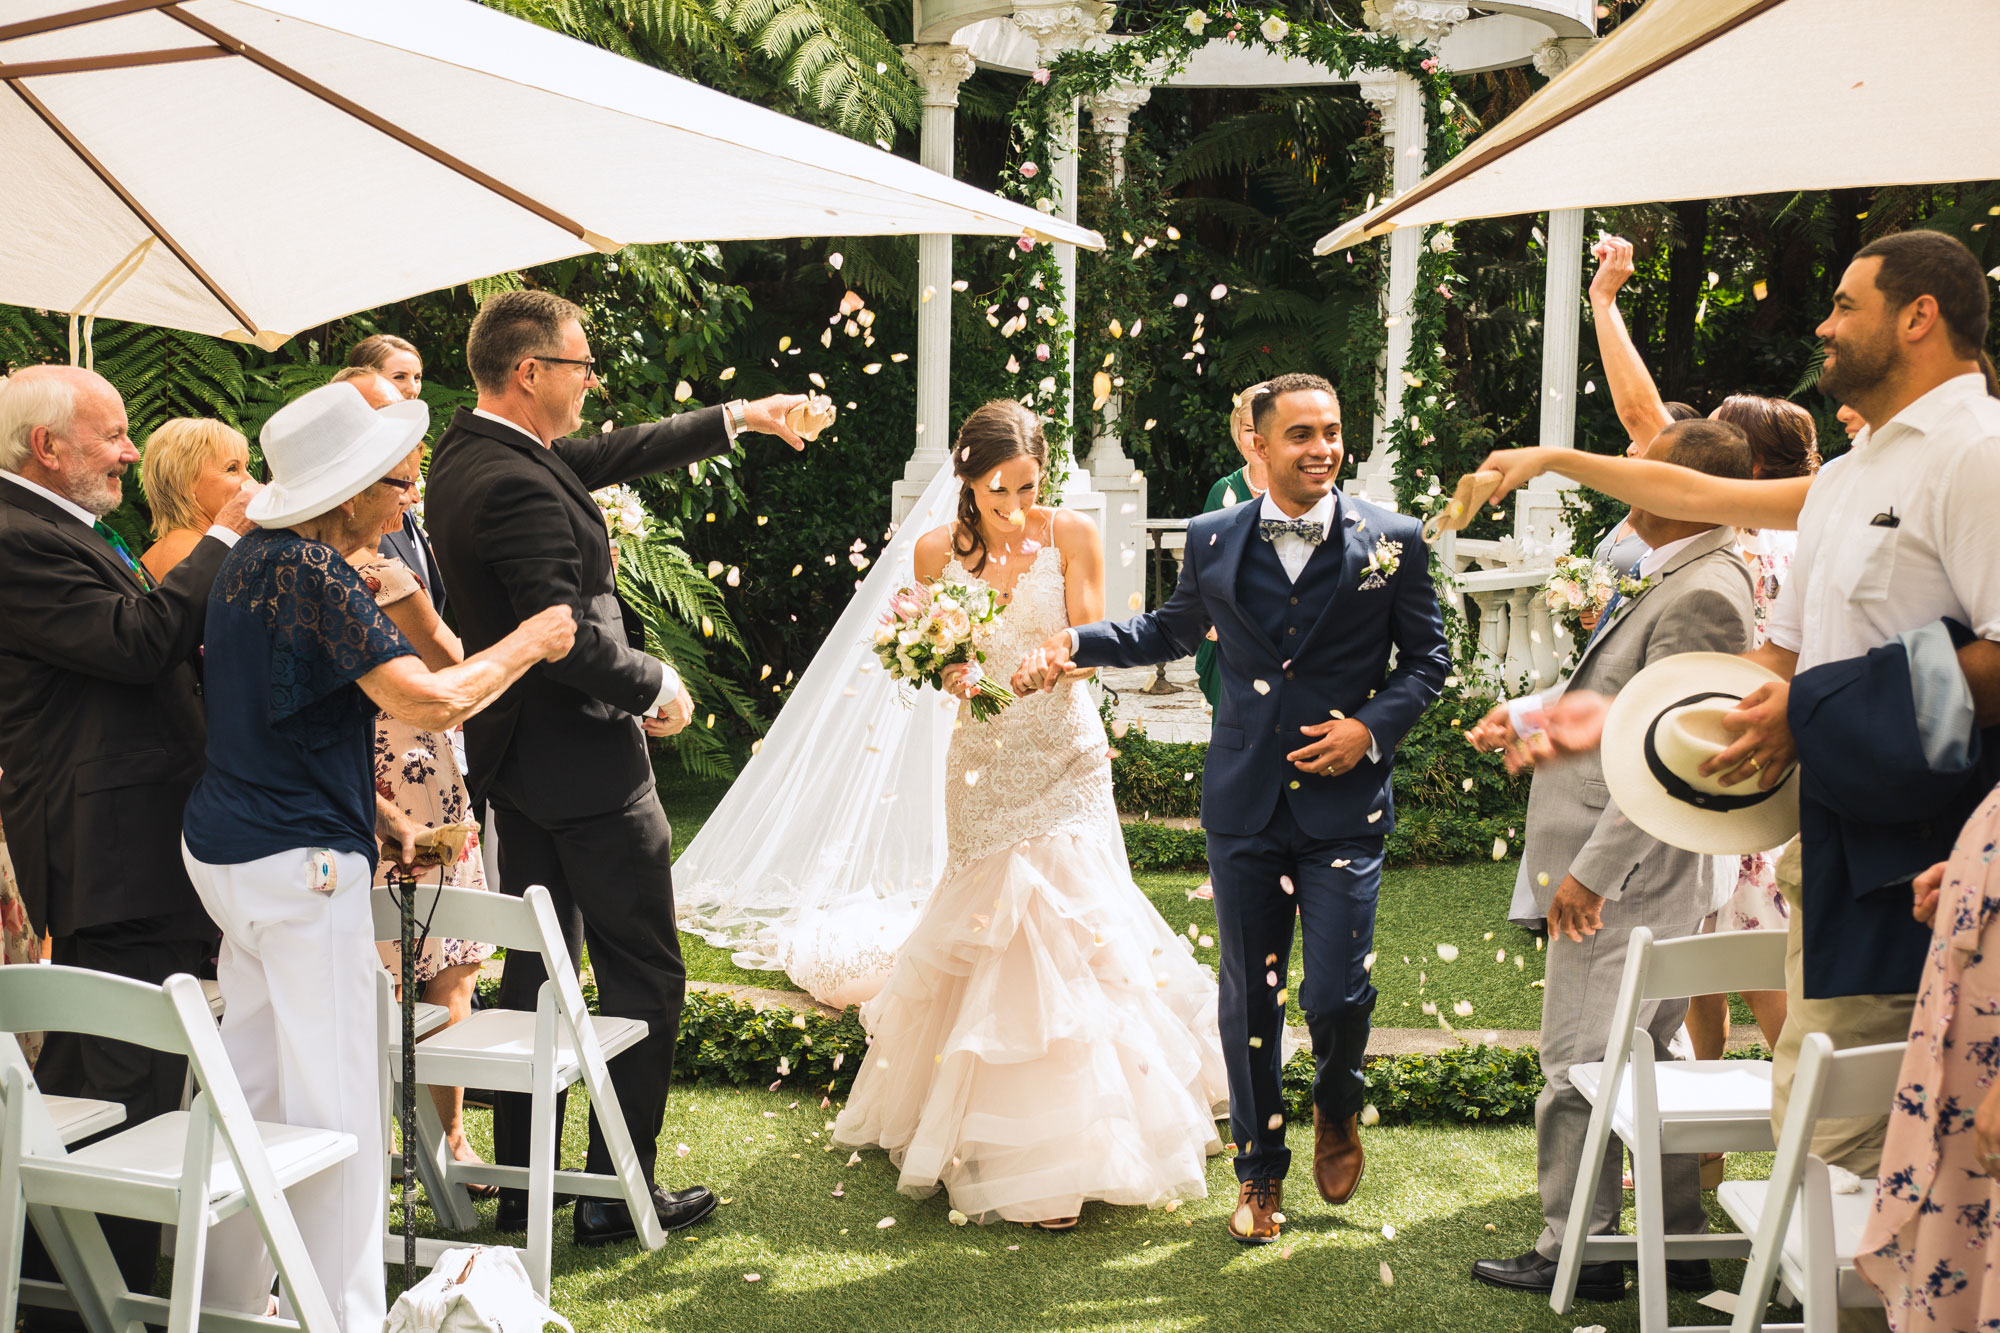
725, 1040
1156, 778
1481, 1084
831, 55
1164, 847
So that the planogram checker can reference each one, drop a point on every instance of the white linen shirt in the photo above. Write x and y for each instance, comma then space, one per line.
1855, 584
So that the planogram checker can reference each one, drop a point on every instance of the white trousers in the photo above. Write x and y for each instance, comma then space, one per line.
297, 971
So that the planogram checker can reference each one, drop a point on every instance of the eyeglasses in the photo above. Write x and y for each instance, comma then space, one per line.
589, 363
400, 483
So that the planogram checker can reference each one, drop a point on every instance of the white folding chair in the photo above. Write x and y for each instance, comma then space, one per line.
1806, 1234
538, 1053
451, 1205
1656, 1107
166, 1170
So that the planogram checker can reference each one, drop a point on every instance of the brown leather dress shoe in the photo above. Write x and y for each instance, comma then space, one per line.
1259, 1212
1337, 1156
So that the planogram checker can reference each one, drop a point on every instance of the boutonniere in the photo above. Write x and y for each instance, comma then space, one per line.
1628, 587
1383, 562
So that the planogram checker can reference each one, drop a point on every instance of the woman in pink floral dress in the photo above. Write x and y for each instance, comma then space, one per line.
417, 772
1926, 1247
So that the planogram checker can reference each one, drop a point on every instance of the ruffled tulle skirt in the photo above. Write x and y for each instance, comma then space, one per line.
1043, 1039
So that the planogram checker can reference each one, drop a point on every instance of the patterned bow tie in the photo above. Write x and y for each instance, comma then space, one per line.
1270, 529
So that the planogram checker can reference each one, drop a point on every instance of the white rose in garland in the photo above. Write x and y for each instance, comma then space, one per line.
1274, 29
1196, 21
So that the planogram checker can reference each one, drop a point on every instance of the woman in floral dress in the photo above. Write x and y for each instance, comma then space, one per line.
1926, 1247
417, 773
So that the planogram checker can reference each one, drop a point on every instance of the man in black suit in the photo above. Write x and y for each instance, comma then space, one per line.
102, 731
562, 755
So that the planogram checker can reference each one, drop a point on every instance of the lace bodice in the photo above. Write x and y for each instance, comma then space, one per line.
1041, 766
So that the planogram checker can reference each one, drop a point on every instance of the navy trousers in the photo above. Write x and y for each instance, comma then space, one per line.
1334, 883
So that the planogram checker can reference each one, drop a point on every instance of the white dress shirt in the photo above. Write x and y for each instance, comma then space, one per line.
1934, 469
670, 679
227, 536
1293, 551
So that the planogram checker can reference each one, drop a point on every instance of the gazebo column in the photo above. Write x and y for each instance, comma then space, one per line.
1539, 514
1055, 28
1401, 104
1111, 471
940, 68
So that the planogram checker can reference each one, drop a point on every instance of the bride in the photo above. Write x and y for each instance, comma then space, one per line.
1042, 1038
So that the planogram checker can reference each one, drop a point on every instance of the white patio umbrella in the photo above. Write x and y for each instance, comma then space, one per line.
250, 168
1694, 99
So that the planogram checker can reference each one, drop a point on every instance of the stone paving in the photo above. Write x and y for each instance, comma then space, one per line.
1181, 716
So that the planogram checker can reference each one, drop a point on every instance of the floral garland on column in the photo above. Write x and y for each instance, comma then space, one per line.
1028, 297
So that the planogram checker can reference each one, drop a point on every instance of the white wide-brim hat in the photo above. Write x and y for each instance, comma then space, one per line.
326, 447
1662, 727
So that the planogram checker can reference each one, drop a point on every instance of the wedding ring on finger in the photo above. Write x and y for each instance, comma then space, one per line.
1756, 764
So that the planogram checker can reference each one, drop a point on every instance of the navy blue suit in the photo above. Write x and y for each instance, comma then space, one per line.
1293, 653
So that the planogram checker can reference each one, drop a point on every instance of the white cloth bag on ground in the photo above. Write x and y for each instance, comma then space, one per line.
479, 1290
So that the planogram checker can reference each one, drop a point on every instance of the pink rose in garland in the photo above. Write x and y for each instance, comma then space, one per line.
1029, 171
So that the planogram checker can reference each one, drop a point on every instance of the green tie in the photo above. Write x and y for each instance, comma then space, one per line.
117, 543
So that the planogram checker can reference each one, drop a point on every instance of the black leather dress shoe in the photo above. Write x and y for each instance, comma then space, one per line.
513, 1211
1531, 1272
1690, 1275
603, 1221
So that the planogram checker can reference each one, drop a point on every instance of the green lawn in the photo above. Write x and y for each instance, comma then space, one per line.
825, 1263
1421, 907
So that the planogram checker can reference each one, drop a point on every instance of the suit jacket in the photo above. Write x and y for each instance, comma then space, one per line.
410, 545
102, 733
1341, 663
1873, 814
1700, 601
516, 531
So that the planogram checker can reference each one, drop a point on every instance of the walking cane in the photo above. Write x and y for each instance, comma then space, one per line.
406, 900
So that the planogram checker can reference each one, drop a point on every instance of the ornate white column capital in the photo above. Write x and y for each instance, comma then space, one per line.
1111, 111
1414, 20
1559, 53
1379, 88
940, 68
1060, 27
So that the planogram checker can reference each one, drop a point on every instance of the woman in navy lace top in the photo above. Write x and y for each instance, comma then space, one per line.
280, 833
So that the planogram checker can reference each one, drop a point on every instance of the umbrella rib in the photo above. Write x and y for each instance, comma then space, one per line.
76, 18
139, 211
1465, 165
387, 127
36, 69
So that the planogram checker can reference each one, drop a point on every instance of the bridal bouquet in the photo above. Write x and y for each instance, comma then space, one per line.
928, 628
1579, 585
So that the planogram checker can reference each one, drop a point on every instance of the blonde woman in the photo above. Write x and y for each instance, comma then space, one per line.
191, 468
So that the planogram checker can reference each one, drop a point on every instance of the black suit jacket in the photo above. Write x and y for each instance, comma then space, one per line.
411, 546
516, 531
102, 733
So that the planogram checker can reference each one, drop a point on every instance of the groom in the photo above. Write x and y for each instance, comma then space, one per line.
1308, 592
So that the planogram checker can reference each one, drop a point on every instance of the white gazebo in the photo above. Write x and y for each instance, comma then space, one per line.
957, 37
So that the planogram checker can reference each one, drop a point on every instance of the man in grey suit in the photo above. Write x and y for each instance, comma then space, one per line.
1598, 876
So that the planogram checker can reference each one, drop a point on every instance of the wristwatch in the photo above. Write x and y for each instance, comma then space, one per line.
739, 416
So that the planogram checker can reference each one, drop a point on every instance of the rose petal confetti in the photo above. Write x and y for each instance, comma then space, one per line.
885, 1224
1448, 952
1370, 1116
1388, 1278
753, 1277
1499, 849
1277, 1121
682, 1150
1463, 1008
954, 1217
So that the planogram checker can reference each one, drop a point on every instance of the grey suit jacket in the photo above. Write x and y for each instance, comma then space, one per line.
1699, 602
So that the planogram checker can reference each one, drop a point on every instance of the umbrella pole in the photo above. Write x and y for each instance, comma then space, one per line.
406, 882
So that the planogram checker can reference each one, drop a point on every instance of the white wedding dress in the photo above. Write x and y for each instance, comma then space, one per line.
1043, 1037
